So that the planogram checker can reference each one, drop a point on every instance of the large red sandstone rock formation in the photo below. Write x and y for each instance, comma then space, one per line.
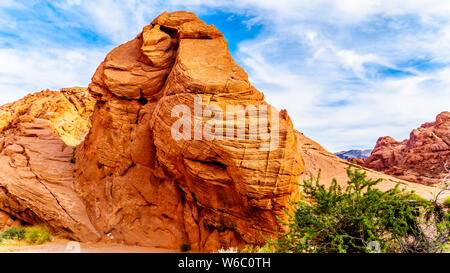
421, 158
133, 182
36, 181
140, 185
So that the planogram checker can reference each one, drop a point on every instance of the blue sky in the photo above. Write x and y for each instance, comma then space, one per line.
347, 71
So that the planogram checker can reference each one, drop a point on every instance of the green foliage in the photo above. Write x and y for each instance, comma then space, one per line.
267, 248
37, 235
416, 197
31, 235
13, 233
447, 202
353, 219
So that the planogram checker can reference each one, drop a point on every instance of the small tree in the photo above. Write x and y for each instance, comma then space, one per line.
361, 218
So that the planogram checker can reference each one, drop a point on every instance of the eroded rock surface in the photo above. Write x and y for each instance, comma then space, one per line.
141, 186
421, 158
7, 221
68, 111
36, 181
133, 182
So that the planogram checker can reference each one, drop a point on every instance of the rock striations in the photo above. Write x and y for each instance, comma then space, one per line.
141, 185
36, 182
421, 158
107, 164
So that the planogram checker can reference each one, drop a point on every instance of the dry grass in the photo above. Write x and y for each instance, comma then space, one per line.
23, 236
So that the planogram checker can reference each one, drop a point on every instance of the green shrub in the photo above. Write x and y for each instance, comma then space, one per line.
361, 218
416, 197
13, 233
37, 235
31, 235
447, 202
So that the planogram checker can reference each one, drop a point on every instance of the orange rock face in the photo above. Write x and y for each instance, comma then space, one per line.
110, 164
36, 182
421, 158
7, 221
68, 112
142, 184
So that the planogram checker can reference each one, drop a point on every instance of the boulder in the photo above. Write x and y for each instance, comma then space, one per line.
142, 184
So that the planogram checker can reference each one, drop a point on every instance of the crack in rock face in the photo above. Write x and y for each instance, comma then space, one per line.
36, 182
130, 179
108, 163
141, 186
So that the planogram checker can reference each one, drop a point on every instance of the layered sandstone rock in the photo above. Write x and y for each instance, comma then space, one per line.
141, 185
136, 180
7, 221
422, 158
36, 181
68, 112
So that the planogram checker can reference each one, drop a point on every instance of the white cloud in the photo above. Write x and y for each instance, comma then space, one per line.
327, 62
10, 4
73, 2
338, 100
27, 71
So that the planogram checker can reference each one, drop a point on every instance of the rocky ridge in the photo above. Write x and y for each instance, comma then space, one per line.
354, 154
422, 158
36, 185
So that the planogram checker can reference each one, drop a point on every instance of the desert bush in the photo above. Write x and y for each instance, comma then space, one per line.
446, 202
13, 233
361, 218
267, 248
37, 235
31, 235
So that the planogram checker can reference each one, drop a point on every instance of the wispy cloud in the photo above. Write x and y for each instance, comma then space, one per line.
26, 71
347, 71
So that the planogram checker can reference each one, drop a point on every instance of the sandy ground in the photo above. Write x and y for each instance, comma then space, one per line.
66, 246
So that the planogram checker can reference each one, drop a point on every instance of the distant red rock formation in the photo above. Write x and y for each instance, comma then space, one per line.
421, 158
358, 161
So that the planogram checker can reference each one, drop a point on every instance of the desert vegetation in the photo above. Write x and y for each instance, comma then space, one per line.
447, 202
361, 218
29, 235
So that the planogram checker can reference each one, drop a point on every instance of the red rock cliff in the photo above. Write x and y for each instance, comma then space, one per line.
37, 135
421, 158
